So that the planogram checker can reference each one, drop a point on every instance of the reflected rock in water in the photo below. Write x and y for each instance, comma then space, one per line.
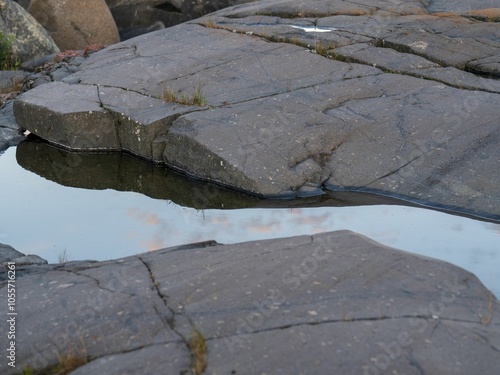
123, 172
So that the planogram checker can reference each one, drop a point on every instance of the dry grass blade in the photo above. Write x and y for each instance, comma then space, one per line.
198, 349
196, 98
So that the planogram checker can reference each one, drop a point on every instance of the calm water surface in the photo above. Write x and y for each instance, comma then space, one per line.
46, 218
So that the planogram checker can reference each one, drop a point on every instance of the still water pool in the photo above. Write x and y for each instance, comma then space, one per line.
56, 203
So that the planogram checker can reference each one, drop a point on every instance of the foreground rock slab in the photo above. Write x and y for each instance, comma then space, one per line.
332, 302
384, 97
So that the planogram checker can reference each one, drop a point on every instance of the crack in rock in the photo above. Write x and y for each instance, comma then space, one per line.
97, 281
431, 318
169, 321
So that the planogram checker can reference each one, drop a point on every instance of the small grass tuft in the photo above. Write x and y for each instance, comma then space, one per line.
198, 348
63, 256
321, 48
196, 98
7, 61
486, 318
170, 96
66, 364
210, 23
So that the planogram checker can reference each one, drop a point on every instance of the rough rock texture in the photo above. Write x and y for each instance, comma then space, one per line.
76, 24
30, 40
331, 303
378, 97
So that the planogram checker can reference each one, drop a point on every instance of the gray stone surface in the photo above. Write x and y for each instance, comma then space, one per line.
390, 100
30, 38
330, 303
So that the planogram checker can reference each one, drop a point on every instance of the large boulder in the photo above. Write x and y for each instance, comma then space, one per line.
29, 38
76, 24
330, 303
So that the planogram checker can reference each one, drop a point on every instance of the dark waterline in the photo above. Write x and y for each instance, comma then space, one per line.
91, 206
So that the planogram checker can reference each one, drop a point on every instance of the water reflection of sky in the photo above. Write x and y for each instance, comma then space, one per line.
42, 217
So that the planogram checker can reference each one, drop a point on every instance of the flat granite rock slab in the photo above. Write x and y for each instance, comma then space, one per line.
335, 302
333, 277
290, 136
300, 98
228, 67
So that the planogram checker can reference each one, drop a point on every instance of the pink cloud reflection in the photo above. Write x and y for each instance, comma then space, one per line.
145, 217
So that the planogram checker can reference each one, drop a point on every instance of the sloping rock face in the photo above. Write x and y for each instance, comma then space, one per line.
378, 97
329, 303
30, 40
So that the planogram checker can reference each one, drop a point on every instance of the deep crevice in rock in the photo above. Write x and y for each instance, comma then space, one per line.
169, 321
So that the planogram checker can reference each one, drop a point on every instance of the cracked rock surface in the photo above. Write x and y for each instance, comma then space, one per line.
335, 302
394, 97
